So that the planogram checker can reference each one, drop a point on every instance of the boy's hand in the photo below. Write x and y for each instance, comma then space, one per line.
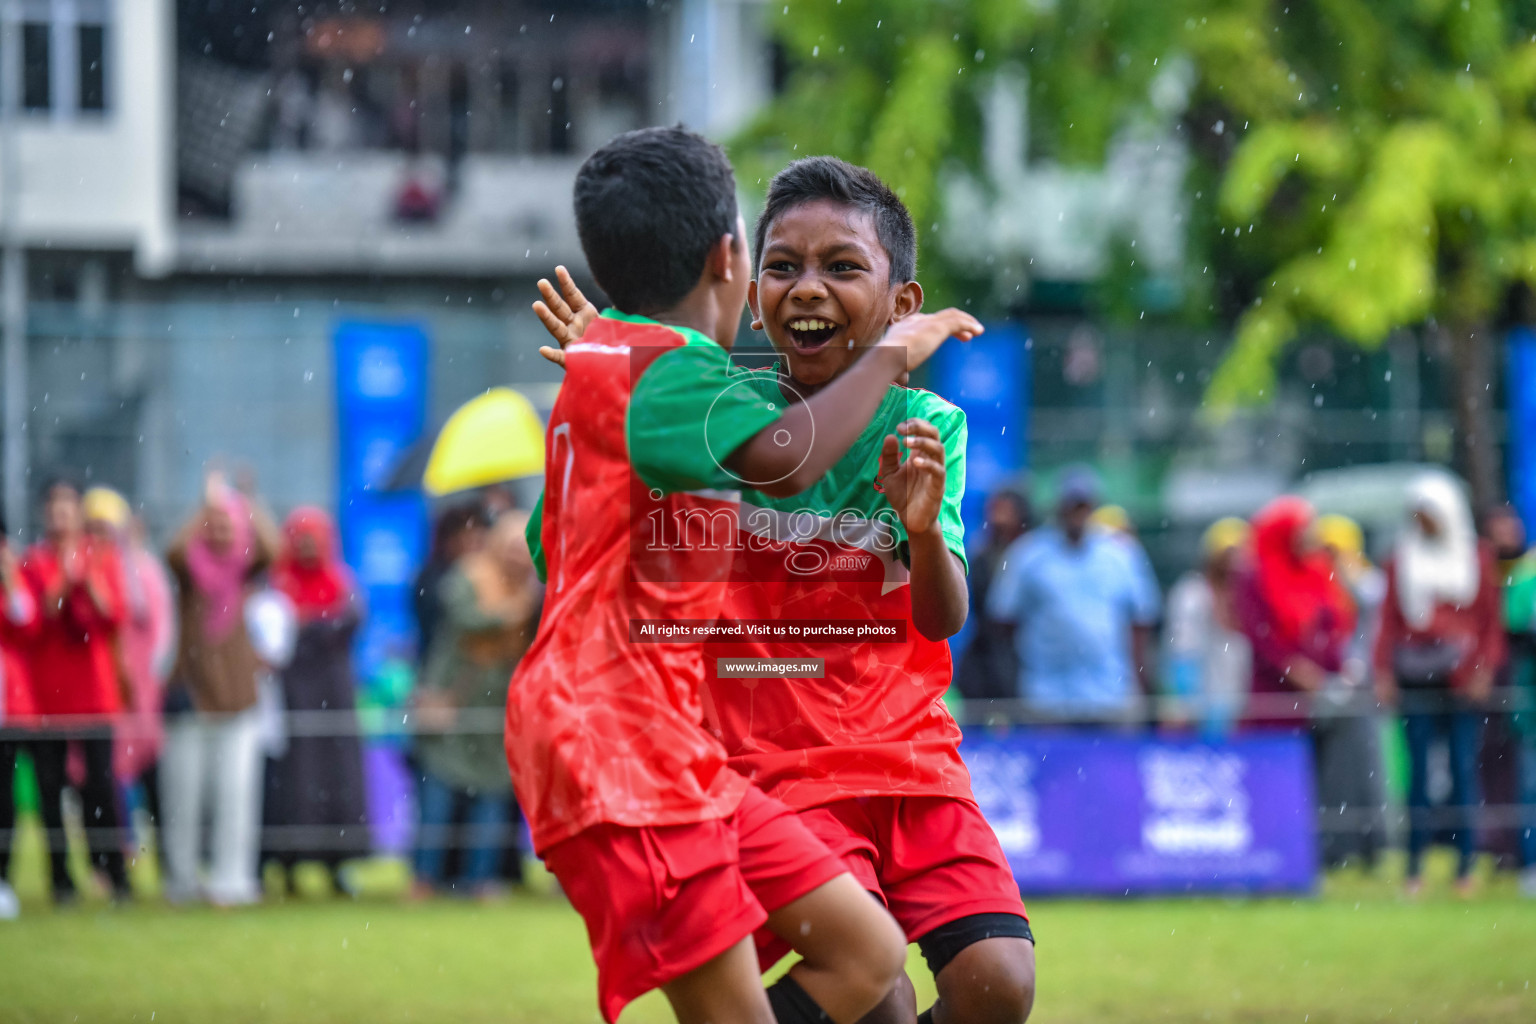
566, 314
914, 487
921, 334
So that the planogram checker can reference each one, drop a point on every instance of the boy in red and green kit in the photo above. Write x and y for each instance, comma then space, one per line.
868, 755
672, 859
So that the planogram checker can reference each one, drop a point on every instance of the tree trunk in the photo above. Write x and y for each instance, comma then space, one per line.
1479, 457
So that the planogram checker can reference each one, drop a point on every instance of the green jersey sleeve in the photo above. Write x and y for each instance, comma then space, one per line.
687, 413
534, 531
952, 431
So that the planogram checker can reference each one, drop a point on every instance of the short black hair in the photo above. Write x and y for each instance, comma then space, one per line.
649, 205
827, 177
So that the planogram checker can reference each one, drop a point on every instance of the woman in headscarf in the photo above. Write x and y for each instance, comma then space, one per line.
490, 606
1296, 615
145, 642
212, 755
315, 799
1441, 643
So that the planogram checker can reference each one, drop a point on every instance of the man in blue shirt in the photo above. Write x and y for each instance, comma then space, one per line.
1082, 610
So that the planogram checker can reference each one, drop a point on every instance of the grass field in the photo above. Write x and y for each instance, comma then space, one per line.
1356, 952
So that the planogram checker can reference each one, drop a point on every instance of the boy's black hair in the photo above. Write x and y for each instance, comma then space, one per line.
649, 205
827, 177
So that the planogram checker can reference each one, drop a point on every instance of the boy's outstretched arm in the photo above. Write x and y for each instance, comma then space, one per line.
790, 455
915, 489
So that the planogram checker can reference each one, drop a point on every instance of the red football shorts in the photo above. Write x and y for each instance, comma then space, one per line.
930, 859
661, 901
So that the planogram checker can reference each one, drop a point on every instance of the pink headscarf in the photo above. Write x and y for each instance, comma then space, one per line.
220, 576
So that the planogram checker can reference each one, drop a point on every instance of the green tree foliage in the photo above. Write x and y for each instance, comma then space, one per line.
1383, 177
897, 85
1362, 166
1390, 151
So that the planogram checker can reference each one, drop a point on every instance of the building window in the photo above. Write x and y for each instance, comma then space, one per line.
63, 57
93, 79
36, 67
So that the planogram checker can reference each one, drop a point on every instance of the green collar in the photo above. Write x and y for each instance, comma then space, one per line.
690, 335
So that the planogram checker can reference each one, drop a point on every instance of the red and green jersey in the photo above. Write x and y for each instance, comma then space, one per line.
599, 728
876, 723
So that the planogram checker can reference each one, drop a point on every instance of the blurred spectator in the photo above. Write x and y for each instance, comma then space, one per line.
1520, 625
145, 642
1346, 734
1115, 522
315, 791
1440, 646
213, 726
1081, 611
989, 669
18, 620
1209, 660
77, 582
490, 608
1297, 616
459, 530
1502, 755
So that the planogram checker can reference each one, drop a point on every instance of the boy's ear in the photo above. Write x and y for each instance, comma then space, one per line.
757, 316
909, 299
721, 263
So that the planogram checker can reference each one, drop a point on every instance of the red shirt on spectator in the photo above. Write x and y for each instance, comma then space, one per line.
73, 657
1477, 628
18, 624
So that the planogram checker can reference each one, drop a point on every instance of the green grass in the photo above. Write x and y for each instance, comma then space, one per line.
1356, 952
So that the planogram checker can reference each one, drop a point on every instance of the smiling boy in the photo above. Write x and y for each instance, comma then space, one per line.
867, 754
672, 860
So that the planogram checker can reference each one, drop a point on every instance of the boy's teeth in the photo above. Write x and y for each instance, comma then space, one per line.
810, 325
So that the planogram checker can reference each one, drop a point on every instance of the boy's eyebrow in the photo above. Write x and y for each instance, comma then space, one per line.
832, 248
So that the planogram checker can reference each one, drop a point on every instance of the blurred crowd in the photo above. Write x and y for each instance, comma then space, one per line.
200, 702
1286, 625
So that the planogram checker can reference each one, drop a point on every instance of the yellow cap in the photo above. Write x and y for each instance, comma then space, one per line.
1223, 535
104, 505
1341, 533
1112, 518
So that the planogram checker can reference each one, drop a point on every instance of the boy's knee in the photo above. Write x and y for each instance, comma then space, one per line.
991, 982
885, 959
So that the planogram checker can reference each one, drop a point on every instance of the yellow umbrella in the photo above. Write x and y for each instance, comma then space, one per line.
488, 440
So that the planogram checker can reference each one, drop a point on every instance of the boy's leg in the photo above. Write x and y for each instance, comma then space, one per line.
725, 990
989, 981
949, 884
852, 951
661, 903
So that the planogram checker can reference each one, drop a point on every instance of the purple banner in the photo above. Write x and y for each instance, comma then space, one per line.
1119, 815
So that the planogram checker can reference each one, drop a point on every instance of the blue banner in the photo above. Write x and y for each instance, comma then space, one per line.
1520, 394
381, 404
988, 378
1117, 815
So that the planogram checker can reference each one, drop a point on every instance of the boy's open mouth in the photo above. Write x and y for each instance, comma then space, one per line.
810, 334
